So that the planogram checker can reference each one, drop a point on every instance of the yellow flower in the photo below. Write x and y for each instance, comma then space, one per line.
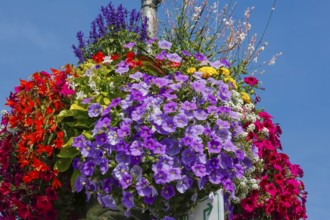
230, 80
191, 70
208, 71
246, 98
224, 71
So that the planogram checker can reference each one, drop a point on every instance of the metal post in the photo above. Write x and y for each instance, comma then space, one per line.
149, 10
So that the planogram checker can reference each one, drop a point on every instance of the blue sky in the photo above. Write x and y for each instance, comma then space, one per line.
37, 35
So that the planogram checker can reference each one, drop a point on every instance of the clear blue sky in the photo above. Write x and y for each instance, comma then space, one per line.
36, 35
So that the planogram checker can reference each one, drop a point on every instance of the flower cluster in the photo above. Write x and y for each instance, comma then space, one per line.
165, 138
110, 21
29, 138
280, 195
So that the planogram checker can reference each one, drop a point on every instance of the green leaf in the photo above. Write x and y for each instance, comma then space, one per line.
88, 135
63, 164
77, 107
69, 143
74, 176
68, 152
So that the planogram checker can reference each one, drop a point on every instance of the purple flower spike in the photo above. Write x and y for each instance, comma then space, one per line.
94, 110
168, 192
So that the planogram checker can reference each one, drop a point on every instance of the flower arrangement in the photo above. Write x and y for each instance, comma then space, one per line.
141, 130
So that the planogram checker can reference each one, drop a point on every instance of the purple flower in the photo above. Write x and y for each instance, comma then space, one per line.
185, 53
168, 218
107, 185
214, 146
199, 169
123, 67
129, 45
107, 201
149, 143
126, 181
188, 106
197, 147
229, 146
186, 140
120, 170
113, 138
161, 55
87, 168
104, 165
143, 188
115, 102
217, 64
200, 114
167, 192
122, 146
163, 44
200, 57
101, 139
188, 157
94, 110
149, 200
179, 77
170, 107
128, 200
169, 125
78, 185
136, 148
159, 149
174, 174
137, 76
198, 85
145, 132
160, 82
215, 177
180, 120
123, 131
174, 57
213, 163
87, 100
184, 184
122, 157
172, 146
160, 177
79, 141
225, 62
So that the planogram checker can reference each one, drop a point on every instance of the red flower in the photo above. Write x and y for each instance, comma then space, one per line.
250, 80
43, 204
98, 57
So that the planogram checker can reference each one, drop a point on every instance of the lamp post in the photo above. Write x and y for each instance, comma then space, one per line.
149, 10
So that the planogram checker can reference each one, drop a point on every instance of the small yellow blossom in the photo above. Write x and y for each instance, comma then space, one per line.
246, 98
191, 70
208, 71
224, 71
230, 80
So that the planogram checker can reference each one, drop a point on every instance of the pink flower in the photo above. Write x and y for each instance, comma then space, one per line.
250, 80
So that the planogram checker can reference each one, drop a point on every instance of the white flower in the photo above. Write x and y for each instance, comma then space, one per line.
251, 127
107, 59
255, 186
265, 131
80, 95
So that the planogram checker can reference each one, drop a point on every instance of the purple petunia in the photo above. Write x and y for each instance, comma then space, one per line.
168, 192
94, 110
163, 44
143, 187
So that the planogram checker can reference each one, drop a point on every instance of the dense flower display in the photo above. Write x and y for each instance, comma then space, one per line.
139, 130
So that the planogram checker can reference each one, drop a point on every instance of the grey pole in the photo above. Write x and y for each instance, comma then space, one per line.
149, 10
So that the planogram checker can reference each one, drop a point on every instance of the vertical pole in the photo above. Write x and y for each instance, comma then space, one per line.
149, 10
